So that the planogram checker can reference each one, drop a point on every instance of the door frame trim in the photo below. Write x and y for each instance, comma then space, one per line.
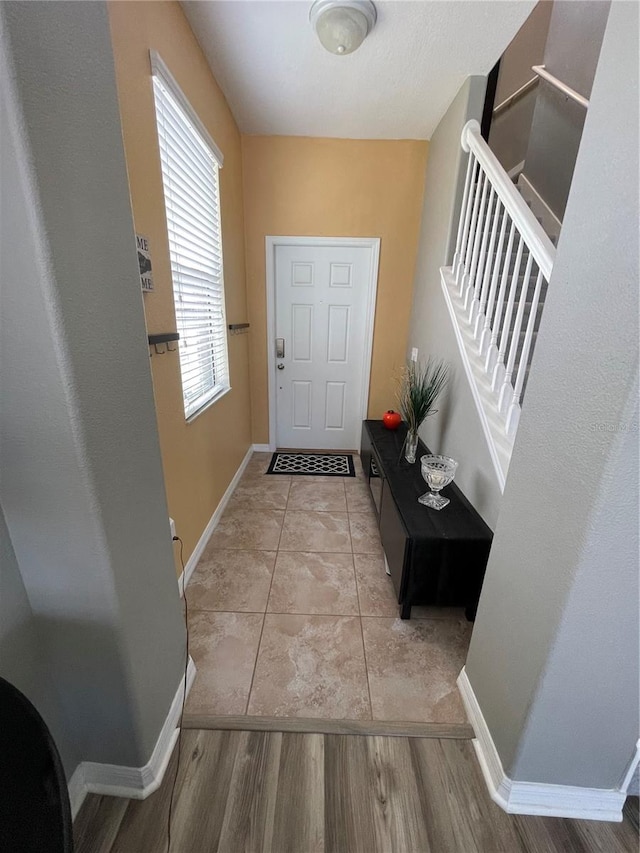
271, 243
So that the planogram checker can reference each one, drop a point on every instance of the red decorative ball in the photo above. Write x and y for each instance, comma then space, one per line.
391, 419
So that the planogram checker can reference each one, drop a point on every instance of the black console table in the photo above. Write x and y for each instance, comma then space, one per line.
435, 557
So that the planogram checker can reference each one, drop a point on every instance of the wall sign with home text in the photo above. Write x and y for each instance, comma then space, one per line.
144, 262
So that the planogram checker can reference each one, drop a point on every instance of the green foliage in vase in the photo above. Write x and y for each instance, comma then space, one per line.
420, 387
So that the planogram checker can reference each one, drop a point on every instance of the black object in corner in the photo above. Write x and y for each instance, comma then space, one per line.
35, 816
489, 101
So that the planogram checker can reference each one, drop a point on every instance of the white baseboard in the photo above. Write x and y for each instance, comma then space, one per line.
533, 798
133, 782
192, 562
263, 448
630, 781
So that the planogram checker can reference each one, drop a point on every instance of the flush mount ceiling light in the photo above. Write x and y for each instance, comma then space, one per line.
342, 25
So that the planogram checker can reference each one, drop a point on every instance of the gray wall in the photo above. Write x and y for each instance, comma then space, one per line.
82, 486
571, 54
553, 659
21, 660
510, 129
456, 429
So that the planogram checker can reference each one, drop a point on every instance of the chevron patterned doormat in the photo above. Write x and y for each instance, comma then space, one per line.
313, 464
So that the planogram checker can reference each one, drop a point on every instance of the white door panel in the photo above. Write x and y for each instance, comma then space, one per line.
322, 300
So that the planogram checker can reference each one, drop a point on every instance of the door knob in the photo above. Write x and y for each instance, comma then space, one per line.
280, 366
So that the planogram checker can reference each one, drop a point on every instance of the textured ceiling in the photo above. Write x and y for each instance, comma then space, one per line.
278, 79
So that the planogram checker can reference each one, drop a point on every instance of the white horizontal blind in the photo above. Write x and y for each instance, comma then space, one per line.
190, 175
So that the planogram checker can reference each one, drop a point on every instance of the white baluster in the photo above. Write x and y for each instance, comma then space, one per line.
469, 226
476, 312
506, 392
492, 352
502, 255
499, 369
477, 240
485, 313
473, 230
513, 413
464, 219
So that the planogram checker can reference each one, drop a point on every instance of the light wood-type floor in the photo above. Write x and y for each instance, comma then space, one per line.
240, 792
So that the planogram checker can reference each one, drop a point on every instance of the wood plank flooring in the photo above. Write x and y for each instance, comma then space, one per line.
274, 792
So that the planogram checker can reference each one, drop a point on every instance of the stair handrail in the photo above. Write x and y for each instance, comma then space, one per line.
539, 244
517, 94
541, 71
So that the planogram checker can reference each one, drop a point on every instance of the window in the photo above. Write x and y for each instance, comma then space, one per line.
190, 176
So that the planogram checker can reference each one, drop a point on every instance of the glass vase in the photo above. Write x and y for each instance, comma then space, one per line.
411, 446
438, 471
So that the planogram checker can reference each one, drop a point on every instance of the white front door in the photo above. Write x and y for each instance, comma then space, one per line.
324, 298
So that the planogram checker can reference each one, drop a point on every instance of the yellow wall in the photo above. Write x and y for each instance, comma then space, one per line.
292, 186
299, 186
199, 458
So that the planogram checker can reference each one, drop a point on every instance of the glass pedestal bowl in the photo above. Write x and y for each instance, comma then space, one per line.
438, 472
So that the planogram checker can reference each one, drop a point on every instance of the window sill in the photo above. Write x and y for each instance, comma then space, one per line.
218, 396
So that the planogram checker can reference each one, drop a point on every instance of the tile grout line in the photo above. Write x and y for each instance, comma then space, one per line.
255, 663
264, 614
295, 550
366, 667
364, 651
355, 578
341, 511
266, 605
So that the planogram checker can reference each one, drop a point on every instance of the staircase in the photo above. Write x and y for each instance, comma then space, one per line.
495, 292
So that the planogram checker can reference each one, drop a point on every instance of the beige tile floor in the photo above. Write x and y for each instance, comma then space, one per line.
291, 613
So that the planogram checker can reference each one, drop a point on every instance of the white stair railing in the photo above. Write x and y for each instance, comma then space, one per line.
501, 267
